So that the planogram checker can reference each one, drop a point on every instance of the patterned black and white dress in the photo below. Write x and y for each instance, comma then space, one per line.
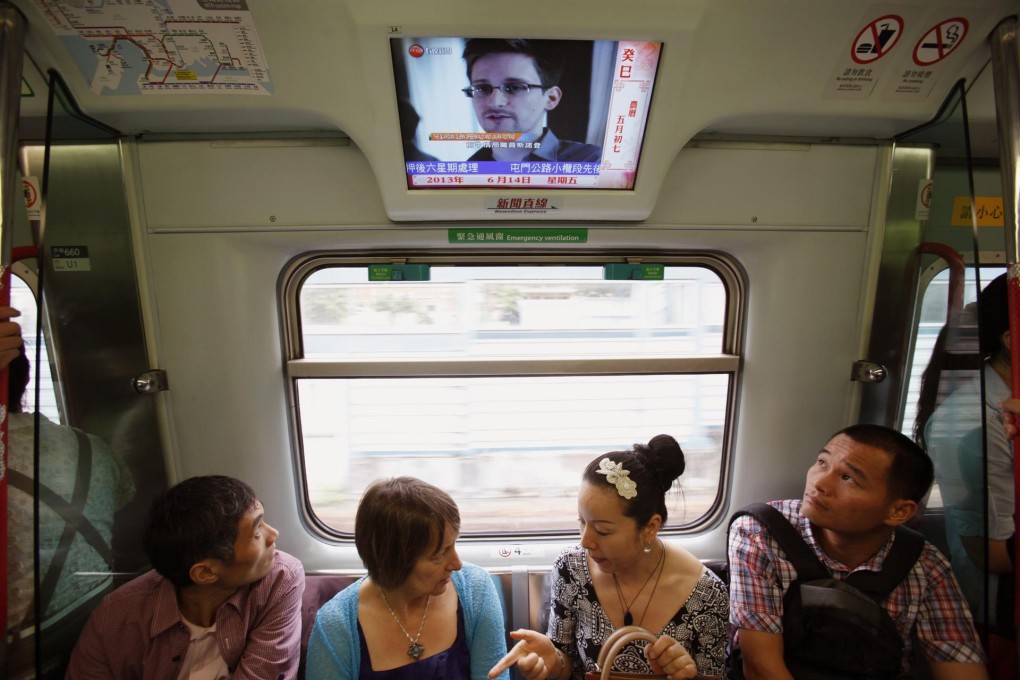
579, 626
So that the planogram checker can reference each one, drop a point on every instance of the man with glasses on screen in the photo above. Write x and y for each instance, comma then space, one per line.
514, 83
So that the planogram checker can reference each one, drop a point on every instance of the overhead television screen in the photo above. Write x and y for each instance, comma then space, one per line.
522, 113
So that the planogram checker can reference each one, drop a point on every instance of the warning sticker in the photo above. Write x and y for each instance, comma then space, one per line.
864, 60
940, 41
912, 83
877, 38
916, 77
30, 187
922, 210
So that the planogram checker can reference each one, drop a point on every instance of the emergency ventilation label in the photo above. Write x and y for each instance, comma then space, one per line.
517, 236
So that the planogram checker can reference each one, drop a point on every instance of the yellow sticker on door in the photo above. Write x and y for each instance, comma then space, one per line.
987, 211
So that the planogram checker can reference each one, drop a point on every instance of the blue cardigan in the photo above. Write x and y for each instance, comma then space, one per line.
334, 650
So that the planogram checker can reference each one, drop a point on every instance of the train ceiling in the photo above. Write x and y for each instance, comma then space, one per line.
796, 68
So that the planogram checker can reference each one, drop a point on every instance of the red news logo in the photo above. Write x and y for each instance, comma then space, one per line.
417, 51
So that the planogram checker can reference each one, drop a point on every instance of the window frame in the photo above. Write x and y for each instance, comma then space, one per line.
728, 361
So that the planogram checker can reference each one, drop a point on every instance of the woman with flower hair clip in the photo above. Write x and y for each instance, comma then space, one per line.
623, 574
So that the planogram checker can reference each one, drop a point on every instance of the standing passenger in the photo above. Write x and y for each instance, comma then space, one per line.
404, 620
81, 487
974, 465
622, 574
221, 602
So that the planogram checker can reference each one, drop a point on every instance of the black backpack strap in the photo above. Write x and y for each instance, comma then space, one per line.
68, 512
905, 551
79, 496
797, 551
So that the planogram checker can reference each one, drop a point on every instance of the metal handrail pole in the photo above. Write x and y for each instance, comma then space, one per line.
1006, 75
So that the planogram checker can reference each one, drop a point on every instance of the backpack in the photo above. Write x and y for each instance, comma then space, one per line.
835, 630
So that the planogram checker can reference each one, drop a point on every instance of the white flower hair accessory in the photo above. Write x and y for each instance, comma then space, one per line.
615, 474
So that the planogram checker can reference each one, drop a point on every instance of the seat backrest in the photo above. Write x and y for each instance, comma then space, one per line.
319, 589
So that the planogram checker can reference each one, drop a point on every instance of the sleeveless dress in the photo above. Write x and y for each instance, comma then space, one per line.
450, 664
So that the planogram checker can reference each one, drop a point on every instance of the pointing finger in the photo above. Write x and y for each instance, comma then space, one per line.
510, 659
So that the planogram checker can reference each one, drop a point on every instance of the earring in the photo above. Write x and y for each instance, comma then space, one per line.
648, 548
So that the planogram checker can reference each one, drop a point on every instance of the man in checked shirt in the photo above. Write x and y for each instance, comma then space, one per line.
222, 601
866, 481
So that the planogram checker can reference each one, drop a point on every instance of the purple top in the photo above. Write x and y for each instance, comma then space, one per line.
450, 664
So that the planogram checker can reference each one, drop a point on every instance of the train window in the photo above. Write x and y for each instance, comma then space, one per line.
500, 383
931, 319
23, 299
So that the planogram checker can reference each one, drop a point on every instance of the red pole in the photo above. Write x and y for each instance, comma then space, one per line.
12, 48
5, 301
1013, 278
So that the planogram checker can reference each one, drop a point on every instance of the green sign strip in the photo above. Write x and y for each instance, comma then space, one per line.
398, 272
515, 236
380, 272
634, 272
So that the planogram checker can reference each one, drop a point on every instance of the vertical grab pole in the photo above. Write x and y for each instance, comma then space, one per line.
1006, 74
12, 47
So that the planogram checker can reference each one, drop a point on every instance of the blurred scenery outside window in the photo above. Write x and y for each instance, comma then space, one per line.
437, 379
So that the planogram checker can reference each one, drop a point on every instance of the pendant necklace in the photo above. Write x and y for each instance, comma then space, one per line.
651, 596
415, 650
628, 618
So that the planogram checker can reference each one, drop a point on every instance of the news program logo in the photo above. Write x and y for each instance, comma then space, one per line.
417, 51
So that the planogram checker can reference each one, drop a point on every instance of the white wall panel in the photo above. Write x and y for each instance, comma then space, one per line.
216, 313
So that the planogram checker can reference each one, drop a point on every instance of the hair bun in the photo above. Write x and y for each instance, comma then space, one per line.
665, 458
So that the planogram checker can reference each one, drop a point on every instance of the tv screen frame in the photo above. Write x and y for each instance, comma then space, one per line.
469, 134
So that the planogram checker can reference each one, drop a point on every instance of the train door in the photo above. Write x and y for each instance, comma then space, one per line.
939, 322
98, 454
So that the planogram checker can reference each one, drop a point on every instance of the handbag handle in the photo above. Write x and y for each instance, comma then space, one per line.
620, 638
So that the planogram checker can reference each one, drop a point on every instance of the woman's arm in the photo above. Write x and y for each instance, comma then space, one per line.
488, 641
